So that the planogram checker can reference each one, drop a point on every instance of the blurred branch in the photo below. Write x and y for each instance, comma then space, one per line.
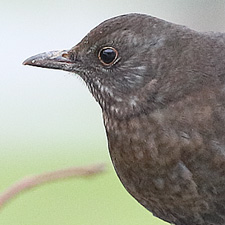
36, 180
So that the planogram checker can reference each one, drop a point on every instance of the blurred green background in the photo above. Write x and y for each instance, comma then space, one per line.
50, 121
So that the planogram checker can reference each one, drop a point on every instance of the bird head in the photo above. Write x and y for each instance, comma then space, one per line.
118, 60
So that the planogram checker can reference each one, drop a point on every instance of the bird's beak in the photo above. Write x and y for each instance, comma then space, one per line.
52, 60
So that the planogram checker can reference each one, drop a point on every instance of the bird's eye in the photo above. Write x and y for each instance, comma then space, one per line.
108, 55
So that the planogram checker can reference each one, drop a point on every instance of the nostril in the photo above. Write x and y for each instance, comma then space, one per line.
65, 55
69, 56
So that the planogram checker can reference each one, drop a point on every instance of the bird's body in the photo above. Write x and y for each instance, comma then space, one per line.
161, 88
172, 161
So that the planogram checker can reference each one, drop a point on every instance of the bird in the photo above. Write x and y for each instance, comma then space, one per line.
161, 88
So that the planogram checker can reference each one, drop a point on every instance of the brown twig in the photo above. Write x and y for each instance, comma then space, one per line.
36, 180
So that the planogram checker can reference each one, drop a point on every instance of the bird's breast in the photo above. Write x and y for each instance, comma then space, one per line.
147, 159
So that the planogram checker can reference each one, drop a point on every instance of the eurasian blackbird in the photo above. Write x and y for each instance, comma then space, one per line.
161, 88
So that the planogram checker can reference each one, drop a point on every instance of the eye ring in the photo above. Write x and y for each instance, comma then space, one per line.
108, 56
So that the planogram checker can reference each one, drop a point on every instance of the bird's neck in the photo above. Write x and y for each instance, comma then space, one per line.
122, 106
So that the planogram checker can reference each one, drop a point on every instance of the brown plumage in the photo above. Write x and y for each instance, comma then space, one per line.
161, 88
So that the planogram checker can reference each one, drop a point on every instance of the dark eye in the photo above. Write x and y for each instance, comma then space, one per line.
108, 55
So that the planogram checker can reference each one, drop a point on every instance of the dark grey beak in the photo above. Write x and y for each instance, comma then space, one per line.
52, 60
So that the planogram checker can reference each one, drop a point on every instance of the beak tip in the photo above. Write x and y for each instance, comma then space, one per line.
25, 62
29, 61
